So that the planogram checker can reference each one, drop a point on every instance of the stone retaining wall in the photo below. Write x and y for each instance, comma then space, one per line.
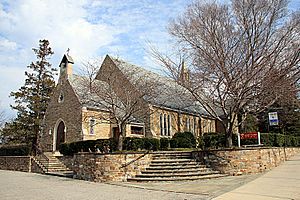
15, 163
109, 167
68, 161
245, 161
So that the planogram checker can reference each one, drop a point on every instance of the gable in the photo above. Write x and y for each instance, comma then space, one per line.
167, 93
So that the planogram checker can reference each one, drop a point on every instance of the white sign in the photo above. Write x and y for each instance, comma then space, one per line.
273, 119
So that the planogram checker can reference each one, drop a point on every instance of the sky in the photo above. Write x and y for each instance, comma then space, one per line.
90, 29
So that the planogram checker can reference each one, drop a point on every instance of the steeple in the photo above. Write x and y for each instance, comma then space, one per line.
66, 66
184, 75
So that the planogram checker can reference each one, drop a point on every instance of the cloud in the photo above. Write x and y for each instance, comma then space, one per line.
90, 29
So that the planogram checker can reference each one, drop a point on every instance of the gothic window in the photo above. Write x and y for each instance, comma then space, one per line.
169, 125
92, 126
165, 125
161, 124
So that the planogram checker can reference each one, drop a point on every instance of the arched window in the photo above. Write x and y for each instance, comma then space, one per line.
161, 124
169, 125
165, 125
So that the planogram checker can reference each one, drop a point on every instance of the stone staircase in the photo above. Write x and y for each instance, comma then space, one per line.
175, 166
51, 165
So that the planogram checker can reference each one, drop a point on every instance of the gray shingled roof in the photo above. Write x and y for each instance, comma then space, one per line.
80, 85
168, 93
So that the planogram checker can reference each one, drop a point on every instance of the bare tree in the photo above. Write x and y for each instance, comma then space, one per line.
242, 56
2, 117
125, 96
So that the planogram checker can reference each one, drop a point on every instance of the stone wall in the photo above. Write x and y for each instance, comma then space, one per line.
68, 161
109, 167
245, 161
15, 163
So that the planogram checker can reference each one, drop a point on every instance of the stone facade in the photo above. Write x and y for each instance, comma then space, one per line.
245, 161
69, 111
166, 122
109, 167
102, 128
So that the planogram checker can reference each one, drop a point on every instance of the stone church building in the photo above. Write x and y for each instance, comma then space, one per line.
76, 112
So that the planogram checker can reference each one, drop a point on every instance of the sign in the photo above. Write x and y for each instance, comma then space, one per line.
273, 119
250, 135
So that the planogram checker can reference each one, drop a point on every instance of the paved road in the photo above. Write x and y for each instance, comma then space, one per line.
283, 182
29, 186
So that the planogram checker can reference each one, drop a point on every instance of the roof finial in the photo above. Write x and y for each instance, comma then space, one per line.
68, 50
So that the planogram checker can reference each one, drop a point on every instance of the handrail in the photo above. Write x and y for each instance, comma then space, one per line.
41, 154
136, 159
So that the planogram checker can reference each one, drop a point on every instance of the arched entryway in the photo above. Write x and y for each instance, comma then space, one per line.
60, 134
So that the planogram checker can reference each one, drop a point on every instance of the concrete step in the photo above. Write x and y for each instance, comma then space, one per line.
67, 174
153, 175
175, 167
172, 171
175, 154
170, 157
163, 164
144, 179
172, 160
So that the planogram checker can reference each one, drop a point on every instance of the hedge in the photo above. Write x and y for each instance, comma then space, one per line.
279, 140
87, 145
15, 150
164, 143
183, 140
134, 144
218, 140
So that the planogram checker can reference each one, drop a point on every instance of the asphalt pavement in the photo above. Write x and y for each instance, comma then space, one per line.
283, 182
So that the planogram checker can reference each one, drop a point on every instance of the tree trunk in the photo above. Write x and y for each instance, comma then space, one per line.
122, 131
120, 142
229, 134
229, 139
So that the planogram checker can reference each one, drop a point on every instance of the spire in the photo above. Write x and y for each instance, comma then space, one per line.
184, 75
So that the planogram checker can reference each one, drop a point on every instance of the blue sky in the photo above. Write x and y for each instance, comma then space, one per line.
91, 29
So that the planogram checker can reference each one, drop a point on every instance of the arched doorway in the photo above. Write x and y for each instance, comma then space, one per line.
60, 134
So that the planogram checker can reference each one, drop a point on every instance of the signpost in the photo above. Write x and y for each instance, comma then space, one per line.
273, 119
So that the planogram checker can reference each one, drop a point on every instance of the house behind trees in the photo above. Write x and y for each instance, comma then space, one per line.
77, 111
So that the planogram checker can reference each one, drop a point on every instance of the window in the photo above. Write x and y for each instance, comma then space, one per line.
161, 124
169, 125
165, 125
61, 97
137, 130
92, 126
195, 125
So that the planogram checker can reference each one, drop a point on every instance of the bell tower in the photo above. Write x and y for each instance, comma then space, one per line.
66, 66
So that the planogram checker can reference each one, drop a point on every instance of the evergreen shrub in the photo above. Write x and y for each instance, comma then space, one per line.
15, 150
183, 140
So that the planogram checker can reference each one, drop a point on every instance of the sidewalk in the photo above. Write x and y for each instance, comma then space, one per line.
283, 182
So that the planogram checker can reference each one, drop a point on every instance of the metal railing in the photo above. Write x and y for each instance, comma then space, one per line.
42, 158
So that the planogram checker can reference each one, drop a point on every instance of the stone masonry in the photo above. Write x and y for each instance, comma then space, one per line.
109, 167
245, 161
